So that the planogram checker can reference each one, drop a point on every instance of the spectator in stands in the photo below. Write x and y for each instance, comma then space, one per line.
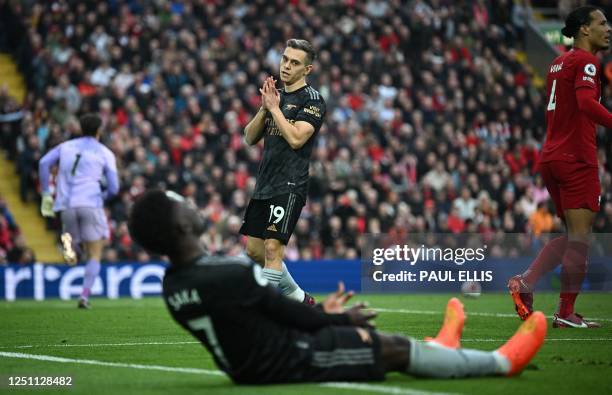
20, 253
424, 103
10, 122
541, 221
12, 244
6, 235
465, 205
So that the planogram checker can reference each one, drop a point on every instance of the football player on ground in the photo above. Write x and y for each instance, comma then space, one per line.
288, 121
568, 164
257, 335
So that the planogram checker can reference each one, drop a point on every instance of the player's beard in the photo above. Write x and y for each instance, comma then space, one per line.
605, 44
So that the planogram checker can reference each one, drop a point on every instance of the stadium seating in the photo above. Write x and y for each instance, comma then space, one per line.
433, 122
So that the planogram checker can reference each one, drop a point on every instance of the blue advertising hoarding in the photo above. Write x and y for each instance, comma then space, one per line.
135, 280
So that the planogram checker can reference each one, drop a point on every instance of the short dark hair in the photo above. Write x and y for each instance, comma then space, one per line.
579, 17
151, 224
303, 45
90, 123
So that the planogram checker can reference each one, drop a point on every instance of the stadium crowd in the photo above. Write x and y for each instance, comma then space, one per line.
434, 123
12, 244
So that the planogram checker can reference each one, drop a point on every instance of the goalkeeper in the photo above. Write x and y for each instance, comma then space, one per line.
82, 163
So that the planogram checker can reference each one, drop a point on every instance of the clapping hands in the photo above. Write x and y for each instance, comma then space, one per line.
270, 98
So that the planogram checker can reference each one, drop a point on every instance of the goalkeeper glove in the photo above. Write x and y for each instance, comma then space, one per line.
46, 206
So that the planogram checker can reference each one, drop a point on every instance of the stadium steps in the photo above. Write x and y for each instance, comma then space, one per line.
32, 225
12, 78
536, 78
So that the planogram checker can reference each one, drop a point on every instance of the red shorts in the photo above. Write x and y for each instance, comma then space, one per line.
571, 185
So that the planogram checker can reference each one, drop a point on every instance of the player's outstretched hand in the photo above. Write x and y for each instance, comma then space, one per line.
361, 317
46, 206
334, 303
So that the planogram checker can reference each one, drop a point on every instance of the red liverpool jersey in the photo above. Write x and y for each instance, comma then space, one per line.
570, 135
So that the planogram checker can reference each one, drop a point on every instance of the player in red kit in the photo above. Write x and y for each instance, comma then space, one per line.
568, 164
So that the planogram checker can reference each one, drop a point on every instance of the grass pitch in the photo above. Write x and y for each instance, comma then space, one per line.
132, 346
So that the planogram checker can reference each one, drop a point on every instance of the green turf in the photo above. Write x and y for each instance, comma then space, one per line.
580, 365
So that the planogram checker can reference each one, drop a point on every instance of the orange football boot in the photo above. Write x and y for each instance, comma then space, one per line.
450, 333
525, 343
522, 295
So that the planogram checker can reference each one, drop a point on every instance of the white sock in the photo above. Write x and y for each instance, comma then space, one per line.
273, 276
289, 287
432, 360
503, 362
